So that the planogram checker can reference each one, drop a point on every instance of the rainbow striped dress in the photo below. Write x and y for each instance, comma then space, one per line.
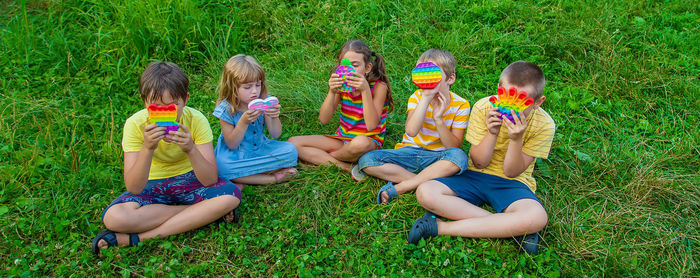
352, 122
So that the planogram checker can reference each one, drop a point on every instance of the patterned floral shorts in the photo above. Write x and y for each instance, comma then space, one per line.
184, 189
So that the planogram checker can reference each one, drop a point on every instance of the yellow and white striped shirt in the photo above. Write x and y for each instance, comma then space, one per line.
456, 116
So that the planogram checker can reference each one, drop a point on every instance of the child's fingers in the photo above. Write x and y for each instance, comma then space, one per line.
516, 120
507, 122
150, 127
183, 128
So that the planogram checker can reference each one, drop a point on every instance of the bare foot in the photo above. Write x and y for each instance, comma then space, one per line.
122, 240
385, 197
228, 218
285, 174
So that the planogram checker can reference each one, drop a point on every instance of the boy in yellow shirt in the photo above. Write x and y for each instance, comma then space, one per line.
171, 180
432, 145
501, 160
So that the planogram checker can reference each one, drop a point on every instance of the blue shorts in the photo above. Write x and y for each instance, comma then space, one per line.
414, 159
478, 189
184, 189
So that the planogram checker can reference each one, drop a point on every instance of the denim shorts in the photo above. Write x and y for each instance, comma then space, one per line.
414, 159
184, 189
479, 188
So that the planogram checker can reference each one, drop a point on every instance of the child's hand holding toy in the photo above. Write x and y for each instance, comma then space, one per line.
152, 134
182, 138
345, 70
250, 116
358, 82
511, 100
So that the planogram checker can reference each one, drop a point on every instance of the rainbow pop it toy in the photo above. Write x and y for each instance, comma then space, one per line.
511, 99
344, 69
426, 75
163, 115
263, 104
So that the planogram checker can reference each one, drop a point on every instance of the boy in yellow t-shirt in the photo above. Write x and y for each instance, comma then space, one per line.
432, 145
171, 180
501, 160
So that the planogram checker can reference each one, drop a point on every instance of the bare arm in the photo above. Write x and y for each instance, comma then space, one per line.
137, 165
201, 156
414, 120
516, 161
481, 154
273, 123
233, 136
330, 104
450, 138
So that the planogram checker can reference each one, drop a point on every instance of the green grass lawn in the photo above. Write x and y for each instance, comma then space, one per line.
621, 185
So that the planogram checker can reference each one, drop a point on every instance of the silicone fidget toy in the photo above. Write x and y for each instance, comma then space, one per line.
511, 100
263, 104
344, 69
426, 75
163, 115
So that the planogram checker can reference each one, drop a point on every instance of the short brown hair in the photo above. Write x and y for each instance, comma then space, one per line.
161, 77
522, 74
442, 58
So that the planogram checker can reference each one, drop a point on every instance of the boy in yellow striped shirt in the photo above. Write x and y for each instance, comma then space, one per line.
431, 147
501, 160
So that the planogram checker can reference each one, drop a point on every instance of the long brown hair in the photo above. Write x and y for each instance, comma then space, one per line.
239, 69
378, 71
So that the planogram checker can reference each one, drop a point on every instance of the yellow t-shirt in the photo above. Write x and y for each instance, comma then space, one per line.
168, 159
537, 141
456, 116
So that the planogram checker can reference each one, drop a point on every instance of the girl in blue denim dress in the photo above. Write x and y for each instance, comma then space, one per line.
243, 153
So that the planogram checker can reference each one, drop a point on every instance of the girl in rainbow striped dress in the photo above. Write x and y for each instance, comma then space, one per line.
362, 111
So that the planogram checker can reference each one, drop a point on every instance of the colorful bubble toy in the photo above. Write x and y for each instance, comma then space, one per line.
263, 104
344, 69
511, 100
426, 75
163, 115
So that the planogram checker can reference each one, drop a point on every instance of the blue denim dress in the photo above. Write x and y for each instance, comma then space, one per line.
256, 153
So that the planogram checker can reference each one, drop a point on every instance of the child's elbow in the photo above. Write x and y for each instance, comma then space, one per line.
479, 164
323, 120
411, 132
371, 127
510, 173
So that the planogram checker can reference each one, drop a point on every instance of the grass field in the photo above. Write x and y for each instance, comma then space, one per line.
621, 185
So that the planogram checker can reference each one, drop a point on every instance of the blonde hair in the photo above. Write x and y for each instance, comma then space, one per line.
239, 70
442, 58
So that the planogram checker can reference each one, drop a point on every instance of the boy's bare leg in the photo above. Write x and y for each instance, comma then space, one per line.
131, 217
190, 218
389, 172
314, 149
524, 216
276, 176
353, 150
439, 169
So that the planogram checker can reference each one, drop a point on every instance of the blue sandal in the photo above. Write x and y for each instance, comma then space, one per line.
111, 240
424, 227
390, 189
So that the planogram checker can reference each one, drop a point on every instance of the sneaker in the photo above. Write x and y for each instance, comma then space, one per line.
529, 243
357, 174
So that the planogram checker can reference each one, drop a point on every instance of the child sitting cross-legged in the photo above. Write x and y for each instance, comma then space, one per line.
172, 182
431, 146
